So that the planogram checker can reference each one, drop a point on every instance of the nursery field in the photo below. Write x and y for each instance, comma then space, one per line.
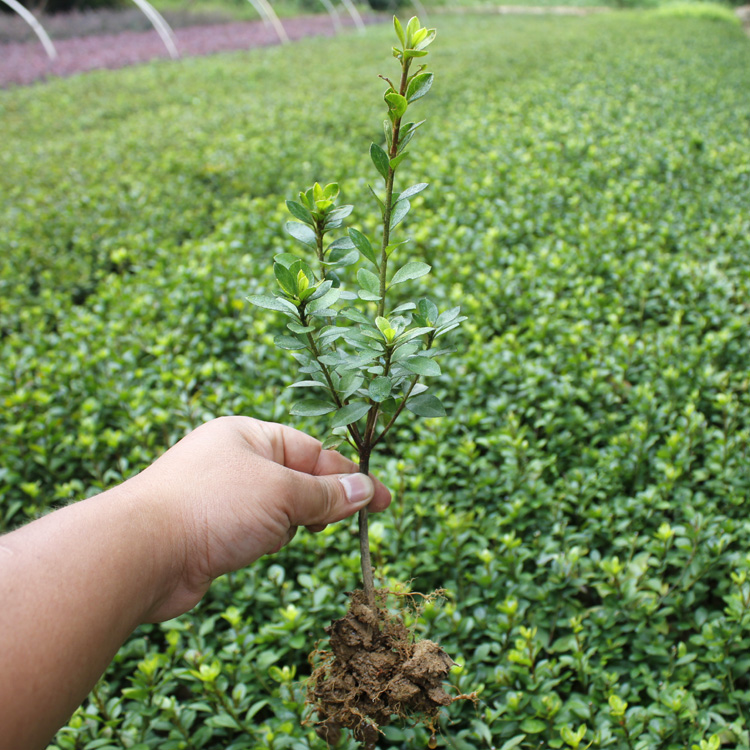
585, 502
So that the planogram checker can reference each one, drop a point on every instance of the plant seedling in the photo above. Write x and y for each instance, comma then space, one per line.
365, 358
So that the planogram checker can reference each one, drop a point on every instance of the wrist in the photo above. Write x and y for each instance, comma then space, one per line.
157, 535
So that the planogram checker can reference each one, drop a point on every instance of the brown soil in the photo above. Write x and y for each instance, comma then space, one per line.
375, 671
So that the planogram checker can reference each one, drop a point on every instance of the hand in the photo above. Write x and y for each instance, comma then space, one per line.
237, 488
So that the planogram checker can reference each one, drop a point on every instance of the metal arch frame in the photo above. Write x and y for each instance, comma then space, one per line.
163, 29
268, 14
354, 13
36, 27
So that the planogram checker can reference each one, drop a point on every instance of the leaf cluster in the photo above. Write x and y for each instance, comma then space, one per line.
361, 359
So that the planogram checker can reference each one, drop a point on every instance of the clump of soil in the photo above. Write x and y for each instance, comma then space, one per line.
375, 671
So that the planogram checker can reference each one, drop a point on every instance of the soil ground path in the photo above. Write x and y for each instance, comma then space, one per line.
22, 63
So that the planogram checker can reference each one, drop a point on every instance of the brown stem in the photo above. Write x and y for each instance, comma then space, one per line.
396, 414
368, 584
366, 444
353, 430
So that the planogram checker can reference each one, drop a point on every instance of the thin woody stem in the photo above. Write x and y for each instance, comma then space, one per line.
353, 429
396, 414
393, 152
368, 583
368, 443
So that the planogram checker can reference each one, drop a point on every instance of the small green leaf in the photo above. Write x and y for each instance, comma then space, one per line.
312, 407
411, 191
406, 136
427, 40
338, 215
413, 333
332, 442
340, 257
285, 278
300, 212
407, 306
368, 296
379, 159
349, 383
271, 303
380, 388
350, 414
396, 160
388, 131
331, 191
383, 324
513, 742
380, 202
426, 405
422, 366
286, 259
297, 328
307, 384
307, 272
351, 313
411, 28
368, 281
397, 104
301, 232
399, 211
399, 31
324, 301
428, 310
363, 245
322, 289
404, 351
342, 243
412, 270
225, 721
418, 87
533, 726
288, 342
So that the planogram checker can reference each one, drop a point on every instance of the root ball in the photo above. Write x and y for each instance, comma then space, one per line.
373, 672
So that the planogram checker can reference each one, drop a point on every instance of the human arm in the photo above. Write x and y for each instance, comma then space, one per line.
76, 583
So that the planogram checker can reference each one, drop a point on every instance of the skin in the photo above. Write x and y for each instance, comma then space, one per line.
77, 582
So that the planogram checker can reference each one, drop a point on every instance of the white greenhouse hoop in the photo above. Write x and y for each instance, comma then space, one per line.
268, 14
354, 13
163, 29
333, 13
36, 27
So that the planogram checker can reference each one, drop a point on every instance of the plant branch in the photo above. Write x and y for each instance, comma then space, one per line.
392, 153
353, 429
397, 413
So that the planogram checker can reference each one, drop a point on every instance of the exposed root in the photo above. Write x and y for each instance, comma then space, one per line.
375, 671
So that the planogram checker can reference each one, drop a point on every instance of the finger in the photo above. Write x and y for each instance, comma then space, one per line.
317, 501
332, 462
382, 497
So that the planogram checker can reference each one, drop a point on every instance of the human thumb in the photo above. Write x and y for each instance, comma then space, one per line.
320, 500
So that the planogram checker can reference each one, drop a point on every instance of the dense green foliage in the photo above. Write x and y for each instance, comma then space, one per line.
584, 503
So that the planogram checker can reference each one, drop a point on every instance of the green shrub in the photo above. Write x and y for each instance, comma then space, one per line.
585, 500
704, 10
